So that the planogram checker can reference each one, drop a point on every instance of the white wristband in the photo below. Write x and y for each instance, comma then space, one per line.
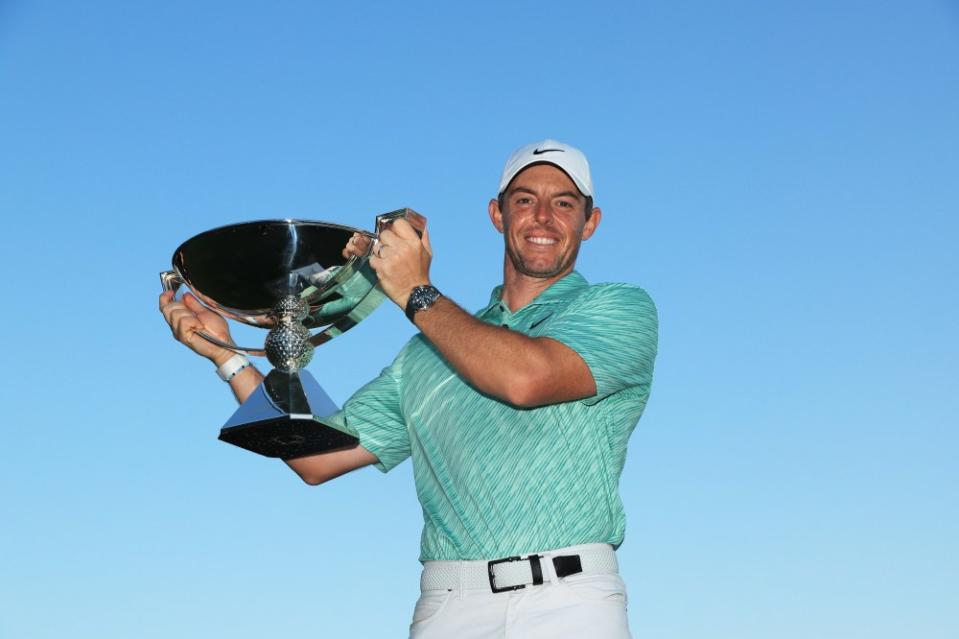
232, 366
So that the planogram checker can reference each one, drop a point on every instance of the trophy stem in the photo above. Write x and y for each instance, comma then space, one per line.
284, 417
288, 344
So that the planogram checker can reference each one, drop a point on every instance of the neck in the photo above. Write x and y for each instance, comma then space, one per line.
520, 289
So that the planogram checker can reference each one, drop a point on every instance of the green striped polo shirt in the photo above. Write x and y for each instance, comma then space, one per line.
495, 480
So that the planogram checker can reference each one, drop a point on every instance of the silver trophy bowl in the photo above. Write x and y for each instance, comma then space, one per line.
291, 277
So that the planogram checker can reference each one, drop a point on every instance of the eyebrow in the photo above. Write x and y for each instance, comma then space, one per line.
523, 189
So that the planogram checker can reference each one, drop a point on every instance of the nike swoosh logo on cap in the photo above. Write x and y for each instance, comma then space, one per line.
541, 151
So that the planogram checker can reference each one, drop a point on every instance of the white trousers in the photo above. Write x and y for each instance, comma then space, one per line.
580, 605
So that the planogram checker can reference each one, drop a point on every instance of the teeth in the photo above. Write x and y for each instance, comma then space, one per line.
541, 240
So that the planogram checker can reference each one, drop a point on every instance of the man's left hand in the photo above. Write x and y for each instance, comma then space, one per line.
401, 260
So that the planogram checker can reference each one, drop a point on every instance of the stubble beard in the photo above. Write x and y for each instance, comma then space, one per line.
521, 265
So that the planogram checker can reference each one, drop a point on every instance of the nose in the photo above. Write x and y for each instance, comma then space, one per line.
544, 212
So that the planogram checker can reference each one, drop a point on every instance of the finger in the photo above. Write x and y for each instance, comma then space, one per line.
170, 309
388, 235
165, 298
403, 229
189, 329
352, 247
426, 242
194, 304
180, 326
181, 319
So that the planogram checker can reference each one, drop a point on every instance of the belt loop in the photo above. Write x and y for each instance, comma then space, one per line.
536, 569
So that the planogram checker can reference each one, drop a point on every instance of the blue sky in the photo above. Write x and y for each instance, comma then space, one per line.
781, 177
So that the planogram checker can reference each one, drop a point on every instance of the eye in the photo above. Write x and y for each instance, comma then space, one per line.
523, 200
565, 204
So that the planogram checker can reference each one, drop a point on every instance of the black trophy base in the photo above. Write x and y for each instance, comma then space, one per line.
283, 418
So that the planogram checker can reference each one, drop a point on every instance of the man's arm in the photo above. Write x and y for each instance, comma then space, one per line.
186, 318
313, 469
523, 371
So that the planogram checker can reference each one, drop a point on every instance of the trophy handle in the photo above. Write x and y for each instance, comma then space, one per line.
417, 221
170, 281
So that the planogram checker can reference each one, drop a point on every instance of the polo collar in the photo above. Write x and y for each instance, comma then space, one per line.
559, 290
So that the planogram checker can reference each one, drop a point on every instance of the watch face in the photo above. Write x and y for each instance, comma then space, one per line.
423, 297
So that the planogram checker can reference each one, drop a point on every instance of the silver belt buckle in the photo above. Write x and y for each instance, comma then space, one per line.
535, 569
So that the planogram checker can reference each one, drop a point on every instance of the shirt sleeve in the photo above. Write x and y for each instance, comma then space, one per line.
373, 414
614, 328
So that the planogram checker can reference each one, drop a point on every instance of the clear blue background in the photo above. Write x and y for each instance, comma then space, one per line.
780, 176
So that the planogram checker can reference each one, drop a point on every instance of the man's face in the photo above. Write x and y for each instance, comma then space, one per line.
543, 222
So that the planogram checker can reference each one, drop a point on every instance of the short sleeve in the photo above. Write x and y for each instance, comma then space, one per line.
373, 415
614, 328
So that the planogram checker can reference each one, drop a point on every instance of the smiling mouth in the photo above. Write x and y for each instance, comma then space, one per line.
542, 241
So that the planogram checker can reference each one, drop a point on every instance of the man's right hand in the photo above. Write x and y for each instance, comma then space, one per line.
189, 316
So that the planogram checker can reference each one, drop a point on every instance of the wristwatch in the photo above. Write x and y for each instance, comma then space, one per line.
421, 298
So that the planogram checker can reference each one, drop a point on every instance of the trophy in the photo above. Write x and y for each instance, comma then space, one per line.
292, 277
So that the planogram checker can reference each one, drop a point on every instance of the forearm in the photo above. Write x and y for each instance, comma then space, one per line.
508, 365
244, 382
313, 469
521, 370
186, 318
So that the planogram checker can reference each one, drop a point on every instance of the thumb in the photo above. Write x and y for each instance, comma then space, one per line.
193, 303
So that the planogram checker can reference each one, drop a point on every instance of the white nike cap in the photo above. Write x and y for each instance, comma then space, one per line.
568, 158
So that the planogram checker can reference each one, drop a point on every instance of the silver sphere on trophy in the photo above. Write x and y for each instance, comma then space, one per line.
291, 277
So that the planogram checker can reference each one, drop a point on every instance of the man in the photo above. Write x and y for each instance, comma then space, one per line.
517, 418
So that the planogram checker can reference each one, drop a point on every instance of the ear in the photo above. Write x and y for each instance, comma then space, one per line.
495, 215
592, 223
